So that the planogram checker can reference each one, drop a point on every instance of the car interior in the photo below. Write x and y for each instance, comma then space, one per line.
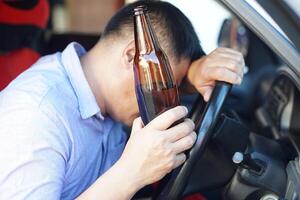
253, 149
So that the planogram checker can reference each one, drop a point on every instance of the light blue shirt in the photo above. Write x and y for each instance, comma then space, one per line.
54, 142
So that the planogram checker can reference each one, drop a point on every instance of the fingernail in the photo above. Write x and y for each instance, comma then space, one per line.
185, 109
191, 122
188, 120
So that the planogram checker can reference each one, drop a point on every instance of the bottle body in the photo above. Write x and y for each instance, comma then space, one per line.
155, 87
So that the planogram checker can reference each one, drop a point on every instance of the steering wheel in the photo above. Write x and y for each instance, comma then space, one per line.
175, 185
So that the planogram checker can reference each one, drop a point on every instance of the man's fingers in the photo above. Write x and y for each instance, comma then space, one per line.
227, 62
229, 51
229, 58
237, 58
166, 119
184, 143
207, 94
179, 160
137, 125
180, 130
224, 74
233, 63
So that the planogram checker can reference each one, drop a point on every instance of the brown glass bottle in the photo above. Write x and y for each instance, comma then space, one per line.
155, 87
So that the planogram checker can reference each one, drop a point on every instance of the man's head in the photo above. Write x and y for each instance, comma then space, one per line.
175, 32
115, 52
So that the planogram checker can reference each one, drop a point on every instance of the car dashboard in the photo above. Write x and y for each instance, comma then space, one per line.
280, 113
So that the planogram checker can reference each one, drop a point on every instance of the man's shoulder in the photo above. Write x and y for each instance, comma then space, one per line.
40, 77
45, 81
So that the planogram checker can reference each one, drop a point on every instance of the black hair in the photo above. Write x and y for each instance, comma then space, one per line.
174, 30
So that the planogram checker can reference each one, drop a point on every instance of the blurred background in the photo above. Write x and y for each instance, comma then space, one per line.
90, 16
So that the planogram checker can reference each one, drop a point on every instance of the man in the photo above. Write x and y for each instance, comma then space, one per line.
59, 138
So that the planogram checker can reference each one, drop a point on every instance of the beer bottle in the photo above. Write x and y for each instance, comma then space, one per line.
155, 87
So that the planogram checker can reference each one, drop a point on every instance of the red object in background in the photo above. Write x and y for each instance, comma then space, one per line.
194, 197
36, 16
14, 62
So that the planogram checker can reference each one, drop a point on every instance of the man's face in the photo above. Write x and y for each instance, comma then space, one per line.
128, 106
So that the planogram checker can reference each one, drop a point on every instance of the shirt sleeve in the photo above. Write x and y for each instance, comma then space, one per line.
33, 155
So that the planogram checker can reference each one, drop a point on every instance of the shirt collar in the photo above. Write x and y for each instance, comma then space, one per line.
88, 106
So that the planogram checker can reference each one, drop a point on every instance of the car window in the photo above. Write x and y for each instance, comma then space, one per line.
258, 8
207, 17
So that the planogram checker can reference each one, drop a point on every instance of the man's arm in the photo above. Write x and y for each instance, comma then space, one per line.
116, 183
32, 154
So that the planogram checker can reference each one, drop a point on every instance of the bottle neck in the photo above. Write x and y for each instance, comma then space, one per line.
145, 40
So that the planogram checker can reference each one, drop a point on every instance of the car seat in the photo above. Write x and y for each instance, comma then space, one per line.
22, 24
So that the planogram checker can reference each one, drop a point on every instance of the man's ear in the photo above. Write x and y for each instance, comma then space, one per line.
128, 54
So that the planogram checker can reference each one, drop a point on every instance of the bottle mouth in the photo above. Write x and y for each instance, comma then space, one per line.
139, 9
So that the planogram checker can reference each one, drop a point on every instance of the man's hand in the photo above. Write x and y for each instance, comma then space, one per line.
154, 150
151, 152
222, 64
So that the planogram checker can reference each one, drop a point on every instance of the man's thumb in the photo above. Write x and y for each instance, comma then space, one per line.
137, 125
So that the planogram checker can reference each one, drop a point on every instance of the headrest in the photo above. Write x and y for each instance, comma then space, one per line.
26, 12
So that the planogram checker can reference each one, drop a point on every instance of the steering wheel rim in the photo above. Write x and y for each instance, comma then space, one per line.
175, 186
